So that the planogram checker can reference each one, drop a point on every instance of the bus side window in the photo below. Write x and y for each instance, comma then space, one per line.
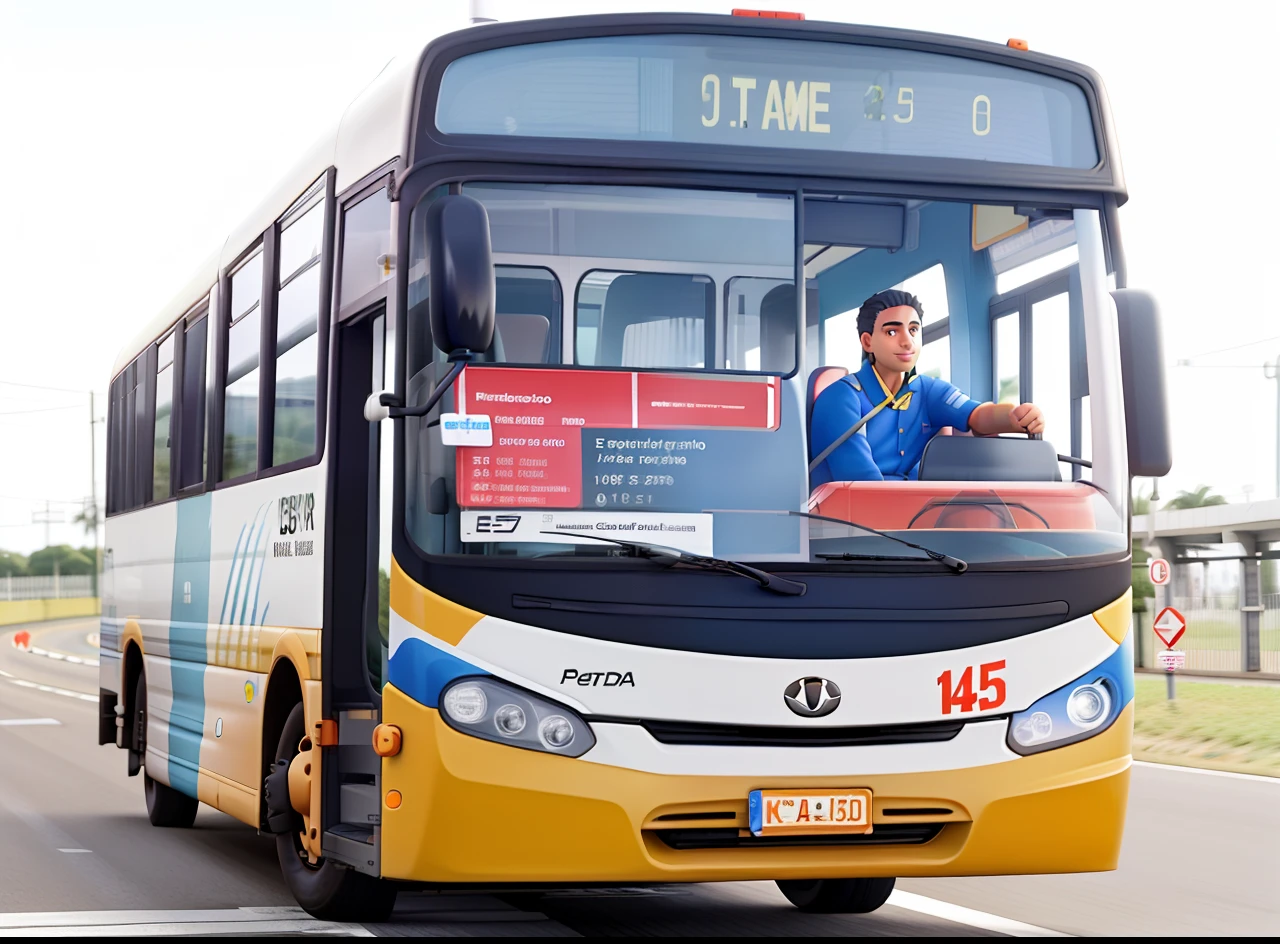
162, 426
240, 389
191, 470
297, 347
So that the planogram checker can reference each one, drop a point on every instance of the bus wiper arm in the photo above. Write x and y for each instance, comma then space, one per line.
955, 563
851, 556
675, 556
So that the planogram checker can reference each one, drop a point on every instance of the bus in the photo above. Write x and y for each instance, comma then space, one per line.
461, 530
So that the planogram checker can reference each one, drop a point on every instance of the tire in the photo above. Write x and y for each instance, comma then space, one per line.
166, 806
838, 895
327, 890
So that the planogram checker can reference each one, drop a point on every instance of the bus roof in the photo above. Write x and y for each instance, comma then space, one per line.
376, 128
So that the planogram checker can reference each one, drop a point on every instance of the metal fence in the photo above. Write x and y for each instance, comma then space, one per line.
1212, 639
45, 588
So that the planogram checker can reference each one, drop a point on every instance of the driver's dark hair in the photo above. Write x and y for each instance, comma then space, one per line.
871, 308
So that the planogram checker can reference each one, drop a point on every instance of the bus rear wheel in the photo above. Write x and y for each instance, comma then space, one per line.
838, 895
165, 805
325, 889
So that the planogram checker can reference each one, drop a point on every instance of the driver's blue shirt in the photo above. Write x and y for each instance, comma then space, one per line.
890, 445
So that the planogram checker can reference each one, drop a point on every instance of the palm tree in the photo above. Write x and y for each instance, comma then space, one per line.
1202, 497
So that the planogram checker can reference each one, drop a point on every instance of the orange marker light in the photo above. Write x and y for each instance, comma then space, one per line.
394, 799
769, 14
1018, 44
386, 740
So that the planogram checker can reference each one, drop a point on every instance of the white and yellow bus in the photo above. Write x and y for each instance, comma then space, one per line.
460, 523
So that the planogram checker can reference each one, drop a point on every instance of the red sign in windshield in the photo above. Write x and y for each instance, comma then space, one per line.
539, 418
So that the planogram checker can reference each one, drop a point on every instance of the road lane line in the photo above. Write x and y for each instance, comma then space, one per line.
53, 690
283, 920
1260, 778
90, 851
968, 916
26, 722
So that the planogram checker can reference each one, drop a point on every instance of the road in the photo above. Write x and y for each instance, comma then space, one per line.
1201, 856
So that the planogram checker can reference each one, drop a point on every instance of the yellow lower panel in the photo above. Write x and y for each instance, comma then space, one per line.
476, 811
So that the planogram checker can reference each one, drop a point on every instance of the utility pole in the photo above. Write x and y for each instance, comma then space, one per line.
46, 518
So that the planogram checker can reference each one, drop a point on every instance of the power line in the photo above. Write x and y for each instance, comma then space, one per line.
44, 409
1224, 350
13, 383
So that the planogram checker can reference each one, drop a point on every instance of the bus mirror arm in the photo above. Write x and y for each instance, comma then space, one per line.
383, 404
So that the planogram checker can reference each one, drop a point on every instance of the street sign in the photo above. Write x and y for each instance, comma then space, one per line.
1171, 659
1169, 626
1159, 571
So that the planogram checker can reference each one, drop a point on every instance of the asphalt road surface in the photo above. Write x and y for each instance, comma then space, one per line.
77, 856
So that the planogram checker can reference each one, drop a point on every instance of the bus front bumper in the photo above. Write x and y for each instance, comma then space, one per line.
472, 811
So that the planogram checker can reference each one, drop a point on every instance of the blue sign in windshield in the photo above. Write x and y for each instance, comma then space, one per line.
752, 92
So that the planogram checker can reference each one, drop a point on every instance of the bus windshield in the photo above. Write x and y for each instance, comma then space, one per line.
644, 384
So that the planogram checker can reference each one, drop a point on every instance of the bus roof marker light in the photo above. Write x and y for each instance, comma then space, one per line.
1019, 44
768, 14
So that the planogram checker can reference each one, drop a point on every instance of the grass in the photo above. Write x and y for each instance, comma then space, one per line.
1220, 726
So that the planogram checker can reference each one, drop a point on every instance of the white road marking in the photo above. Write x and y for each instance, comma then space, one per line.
974, 919
164, 923
51, 689
90, 851
1260, 778
25, 722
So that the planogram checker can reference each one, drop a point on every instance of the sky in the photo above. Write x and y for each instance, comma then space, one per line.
135, 134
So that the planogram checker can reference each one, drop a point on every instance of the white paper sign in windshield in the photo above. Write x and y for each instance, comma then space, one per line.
685, 532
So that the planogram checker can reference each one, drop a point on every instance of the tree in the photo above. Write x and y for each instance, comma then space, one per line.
12, 564
87, 518
1008, 390
1202, 497
70, 561
1142, 503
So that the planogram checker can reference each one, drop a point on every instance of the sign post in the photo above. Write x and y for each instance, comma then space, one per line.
1169, 626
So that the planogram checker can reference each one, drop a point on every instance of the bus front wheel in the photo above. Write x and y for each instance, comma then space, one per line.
325, 889
165, 805
838, 895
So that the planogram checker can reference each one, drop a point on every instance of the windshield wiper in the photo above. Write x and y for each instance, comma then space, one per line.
673, 556
955, 563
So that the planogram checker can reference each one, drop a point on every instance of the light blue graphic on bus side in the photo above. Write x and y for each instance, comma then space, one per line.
188, 628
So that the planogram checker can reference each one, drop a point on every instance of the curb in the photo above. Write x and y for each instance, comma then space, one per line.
22, 642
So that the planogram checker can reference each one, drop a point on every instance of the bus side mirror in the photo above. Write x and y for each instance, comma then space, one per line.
1146, 403
461, 286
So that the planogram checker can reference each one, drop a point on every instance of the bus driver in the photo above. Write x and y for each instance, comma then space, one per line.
905, 410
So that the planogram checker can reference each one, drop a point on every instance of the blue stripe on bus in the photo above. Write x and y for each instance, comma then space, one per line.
188, 631
421, 671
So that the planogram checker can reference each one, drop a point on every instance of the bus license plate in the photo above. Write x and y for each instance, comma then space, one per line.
791, 812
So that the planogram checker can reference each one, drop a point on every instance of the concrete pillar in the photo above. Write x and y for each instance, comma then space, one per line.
1250, 603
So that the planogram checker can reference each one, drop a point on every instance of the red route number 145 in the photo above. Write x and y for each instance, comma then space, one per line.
963, 697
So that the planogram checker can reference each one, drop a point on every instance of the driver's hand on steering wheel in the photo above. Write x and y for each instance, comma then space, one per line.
1027, 418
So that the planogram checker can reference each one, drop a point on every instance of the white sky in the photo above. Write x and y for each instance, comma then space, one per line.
134, 134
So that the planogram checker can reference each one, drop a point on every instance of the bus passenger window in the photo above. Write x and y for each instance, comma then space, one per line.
297, 341
162, 451
240, 406
366, 244
649, 319
760, 325
191, 448
529, 310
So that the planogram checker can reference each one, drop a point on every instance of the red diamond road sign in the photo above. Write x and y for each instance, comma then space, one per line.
1169, 626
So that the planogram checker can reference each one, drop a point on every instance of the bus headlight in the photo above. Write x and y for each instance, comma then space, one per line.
1078, 710
496, 711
